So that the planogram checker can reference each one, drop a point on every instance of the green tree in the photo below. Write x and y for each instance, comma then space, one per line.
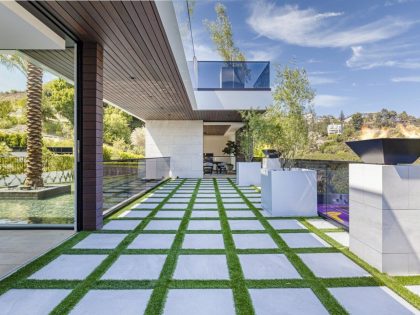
34, 116
59, 95
357, 121
6, 108
342, 117
284, 126
116, 125
222, 35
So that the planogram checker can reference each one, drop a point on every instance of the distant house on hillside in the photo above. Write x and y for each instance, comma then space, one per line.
335, 129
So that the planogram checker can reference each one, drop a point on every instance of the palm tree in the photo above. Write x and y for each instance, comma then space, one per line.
34, 117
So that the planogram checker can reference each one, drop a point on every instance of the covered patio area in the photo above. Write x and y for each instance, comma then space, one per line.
204, 246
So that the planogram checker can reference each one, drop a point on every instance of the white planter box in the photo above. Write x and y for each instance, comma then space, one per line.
385, 216
289, 193
248, 173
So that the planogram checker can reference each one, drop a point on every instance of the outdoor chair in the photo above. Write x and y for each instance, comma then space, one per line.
208, 168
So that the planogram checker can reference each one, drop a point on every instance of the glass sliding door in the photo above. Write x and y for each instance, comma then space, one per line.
37, 132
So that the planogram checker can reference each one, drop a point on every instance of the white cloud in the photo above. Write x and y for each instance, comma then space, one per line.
318, 80
308, 27
328, 100
415, 79
394, 54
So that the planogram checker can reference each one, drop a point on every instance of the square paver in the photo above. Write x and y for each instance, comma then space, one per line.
321, 224
205, 214
224, 195
267, 266
31, 301
141, 214
286, 224
246, 241
254, 199
123, 225
152, 241
204, 195
303, 240
200, 302
164, 225
205, 206
206, 200
110, 302
240, 214
170, 214
235, 206
297, 301
153, 199
177, 195
203, 241
204, 267
135, 267
100, 241
245, 225
69, 267
179, 200
332, 265
340, 237
372, 300
145, 206
232, 200
204, 225
414, 288
169, 206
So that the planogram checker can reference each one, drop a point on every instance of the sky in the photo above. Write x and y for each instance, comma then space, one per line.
15, 80
360, 56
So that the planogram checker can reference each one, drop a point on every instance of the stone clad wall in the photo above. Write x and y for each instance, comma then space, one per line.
181, 140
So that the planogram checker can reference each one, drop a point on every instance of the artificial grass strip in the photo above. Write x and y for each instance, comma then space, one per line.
15, 279
242, 299
387, 280
81, 289
237, 282
320, 290
157, 300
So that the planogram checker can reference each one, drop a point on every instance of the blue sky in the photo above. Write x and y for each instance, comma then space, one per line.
360, 55
15, 80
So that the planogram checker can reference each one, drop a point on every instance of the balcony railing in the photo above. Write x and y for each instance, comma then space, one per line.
234, 75
124, 179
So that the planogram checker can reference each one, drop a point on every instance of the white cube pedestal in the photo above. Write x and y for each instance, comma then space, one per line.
289, 193
385, 216
248, 173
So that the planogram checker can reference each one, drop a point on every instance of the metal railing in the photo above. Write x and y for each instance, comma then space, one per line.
231, 75
125, 179
56, 169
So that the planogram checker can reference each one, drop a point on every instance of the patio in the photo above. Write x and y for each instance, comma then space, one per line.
204, 247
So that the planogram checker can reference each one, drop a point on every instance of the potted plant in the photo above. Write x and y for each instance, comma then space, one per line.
288, 191
231, 149
248, 172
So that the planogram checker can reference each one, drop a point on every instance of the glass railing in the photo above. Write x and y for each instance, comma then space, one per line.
333, 188
235, 75
124, 179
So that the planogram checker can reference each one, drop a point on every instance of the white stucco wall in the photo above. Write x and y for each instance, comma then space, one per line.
181, 140
215, 144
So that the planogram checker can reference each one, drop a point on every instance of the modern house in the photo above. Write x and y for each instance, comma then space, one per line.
189, 244
130, 54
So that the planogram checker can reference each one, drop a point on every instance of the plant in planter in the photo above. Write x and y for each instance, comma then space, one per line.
290, 191
231, 149
248, 172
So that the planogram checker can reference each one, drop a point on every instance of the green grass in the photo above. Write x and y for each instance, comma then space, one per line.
237, 283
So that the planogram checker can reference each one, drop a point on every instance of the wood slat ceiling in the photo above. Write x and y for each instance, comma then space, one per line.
135, 46
215, 130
